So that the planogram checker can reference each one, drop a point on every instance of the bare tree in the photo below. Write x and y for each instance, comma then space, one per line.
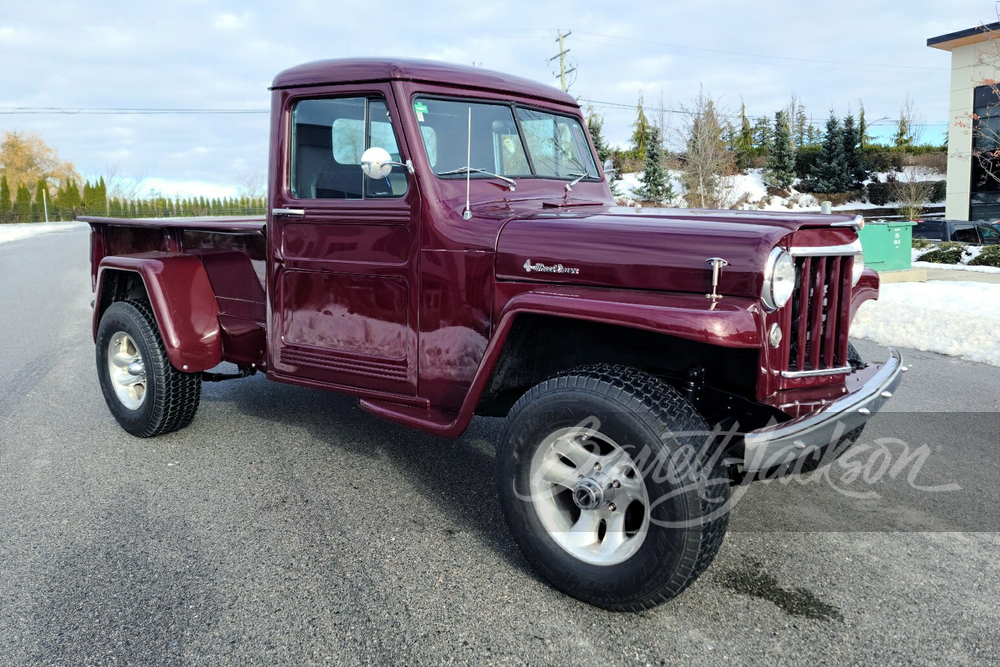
912, 189
124, 188
250, 183
985, 125
707, 163
911, 125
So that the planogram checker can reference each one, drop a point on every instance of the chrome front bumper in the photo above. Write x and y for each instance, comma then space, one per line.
784, 443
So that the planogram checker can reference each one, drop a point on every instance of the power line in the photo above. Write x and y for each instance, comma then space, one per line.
621, 105
762, 55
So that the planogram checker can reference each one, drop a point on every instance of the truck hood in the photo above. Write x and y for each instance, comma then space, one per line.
652, 249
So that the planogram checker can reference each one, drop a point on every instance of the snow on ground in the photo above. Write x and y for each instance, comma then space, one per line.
23, 230
948, 317
750, 187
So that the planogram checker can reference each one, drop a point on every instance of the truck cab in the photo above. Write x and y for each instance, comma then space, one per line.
441, 242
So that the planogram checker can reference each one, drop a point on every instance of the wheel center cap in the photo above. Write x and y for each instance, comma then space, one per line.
593, 491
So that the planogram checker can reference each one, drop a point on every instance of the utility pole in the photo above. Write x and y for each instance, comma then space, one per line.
45, 204
562, 59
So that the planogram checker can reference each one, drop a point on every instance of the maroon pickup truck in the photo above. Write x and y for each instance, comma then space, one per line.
441, 243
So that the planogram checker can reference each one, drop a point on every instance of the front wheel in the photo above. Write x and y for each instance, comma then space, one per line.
144, 392
612, 486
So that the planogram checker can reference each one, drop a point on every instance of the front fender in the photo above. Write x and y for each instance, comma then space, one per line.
183, 304
727, 322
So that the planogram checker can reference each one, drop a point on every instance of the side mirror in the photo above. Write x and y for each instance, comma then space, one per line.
609, 168
376, 162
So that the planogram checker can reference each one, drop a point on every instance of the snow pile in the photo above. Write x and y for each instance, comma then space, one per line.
971, 252
23, 230
961, 319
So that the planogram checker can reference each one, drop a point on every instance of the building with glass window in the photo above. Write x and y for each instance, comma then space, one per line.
973, 122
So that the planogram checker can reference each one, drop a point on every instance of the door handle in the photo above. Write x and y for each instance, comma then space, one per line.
290, 212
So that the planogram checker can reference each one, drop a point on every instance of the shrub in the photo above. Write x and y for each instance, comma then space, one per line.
922, 244
938, 191
841, 198
937, 160
990, 256
943, 255
879, 193
805, 158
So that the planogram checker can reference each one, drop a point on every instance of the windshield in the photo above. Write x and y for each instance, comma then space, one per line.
552, 146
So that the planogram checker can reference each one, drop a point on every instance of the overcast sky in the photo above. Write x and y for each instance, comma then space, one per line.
203, 54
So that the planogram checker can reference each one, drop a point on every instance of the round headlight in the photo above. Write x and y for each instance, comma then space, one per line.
779, 279
859, 266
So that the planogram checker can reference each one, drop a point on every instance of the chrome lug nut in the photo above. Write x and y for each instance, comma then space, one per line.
617, 484
612, 507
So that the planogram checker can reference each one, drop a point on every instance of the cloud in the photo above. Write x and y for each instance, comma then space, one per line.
230, 21
190, 54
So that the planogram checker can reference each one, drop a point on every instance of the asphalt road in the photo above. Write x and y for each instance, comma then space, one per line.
287, 527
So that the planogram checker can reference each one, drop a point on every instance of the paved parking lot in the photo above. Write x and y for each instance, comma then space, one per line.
286, 526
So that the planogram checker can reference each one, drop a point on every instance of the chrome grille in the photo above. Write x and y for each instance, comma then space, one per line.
820, 315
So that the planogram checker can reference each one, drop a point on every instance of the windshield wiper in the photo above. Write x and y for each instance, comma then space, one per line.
579, 177
466, 170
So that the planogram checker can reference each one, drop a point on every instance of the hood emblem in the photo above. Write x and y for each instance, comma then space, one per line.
542, 268
717, 263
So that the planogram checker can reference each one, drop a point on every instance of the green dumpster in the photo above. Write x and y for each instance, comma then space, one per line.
887, 244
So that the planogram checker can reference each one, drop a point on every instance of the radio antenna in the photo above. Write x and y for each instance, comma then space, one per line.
467, 215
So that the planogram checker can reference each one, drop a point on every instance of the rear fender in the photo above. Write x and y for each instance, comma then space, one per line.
183, 304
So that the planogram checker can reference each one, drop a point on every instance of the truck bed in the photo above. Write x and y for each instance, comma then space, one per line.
232, 251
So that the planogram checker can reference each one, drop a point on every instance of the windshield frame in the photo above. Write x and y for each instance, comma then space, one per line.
513, 107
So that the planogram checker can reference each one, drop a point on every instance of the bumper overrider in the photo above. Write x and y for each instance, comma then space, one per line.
787, 442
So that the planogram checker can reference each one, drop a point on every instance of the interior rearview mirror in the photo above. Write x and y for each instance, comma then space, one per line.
376, 162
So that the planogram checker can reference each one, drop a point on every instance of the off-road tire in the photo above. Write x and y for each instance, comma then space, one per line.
172, 397
638, 409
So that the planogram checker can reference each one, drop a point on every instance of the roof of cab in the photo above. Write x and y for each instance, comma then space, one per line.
377, 69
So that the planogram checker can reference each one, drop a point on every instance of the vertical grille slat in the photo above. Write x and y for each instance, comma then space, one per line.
833, 308
805, 280
818, 317
816, 312
844, 317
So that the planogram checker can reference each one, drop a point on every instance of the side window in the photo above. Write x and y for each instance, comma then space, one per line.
966, 234
380, 134
990, 235
328, 139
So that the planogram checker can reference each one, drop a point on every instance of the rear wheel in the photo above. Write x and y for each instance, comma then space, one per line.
144, 392
612, 487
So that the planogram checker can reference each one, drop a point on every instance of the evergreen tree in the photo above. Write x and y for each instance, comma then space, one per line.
763, 135
902, 138
744, 140
852, 156
22, 203
656, 186
863, 139
640, 133
779, 170
829, 173
5, 203
595, 125
800, 124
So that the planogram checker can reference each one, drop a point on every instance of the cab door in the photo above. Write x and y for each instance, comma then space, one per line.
342, 274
